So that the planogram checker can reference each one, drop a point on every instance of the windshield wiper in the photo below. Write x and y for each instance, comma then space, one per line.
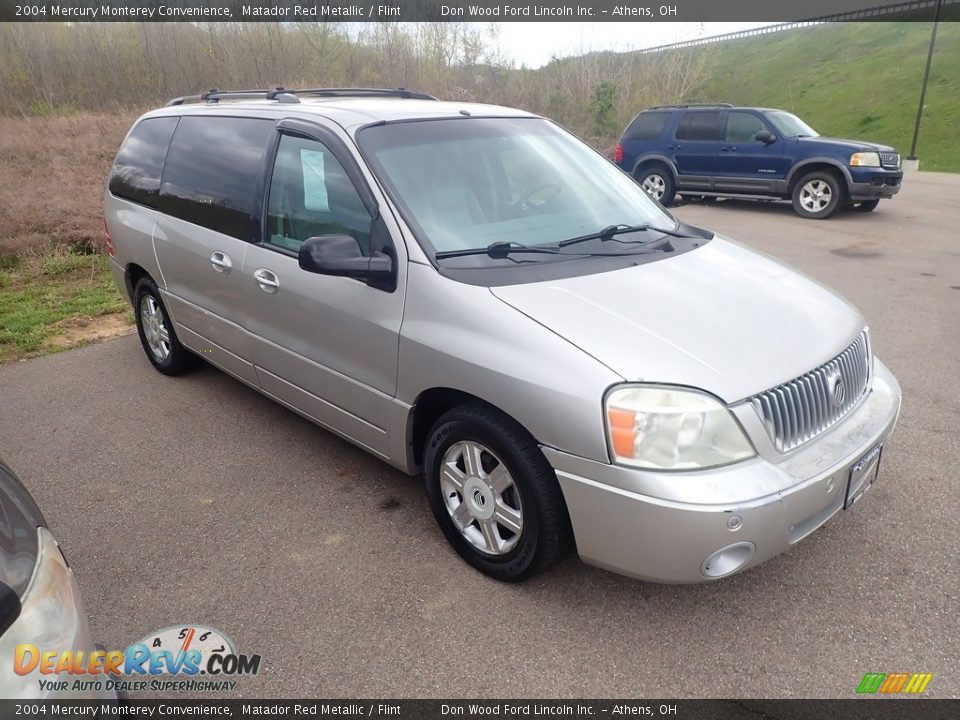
501, 250
611, 231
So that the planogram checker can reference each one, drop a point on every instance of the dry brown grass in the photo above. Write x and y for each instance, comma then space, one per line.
52, 176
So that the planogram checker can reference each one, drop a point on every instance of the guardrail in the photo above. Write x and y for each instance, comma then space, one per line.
872, 13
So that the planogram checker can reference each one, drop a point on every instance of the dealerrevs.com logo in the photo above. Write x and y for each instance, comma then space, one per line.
186, 658
894, 683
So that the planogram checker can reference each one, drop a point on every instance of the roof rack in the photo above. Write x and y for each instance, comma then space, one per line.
692, 105
284, 95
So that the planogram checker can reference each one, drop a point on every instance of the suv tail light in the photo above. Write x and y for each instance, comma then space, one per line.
618, 154
106, 239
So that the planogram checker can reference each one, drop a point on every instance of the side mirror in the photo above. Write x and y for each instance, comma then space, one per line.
766, 137
340, 255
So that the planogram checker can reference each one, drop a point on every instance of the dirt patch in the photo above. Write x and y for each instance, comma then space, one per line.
84, 330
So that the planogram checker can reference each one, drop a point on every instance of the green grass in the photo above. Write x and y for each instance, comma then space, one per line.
854, 80
37, 294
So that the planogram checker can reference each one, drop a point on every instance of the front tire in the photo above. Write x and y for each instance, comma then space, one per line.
658, 182
819, 195
494, 494
157, 336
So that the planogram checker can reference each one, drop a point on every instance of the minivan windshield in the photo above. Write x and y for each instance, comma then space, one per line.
471, 182
789, 125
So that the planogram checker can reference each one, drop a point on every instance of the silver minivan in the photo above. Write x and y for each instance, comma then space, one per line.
472, 293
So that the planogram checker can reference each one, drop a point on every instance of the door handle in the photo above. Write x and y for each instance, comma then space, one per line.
221, 262
267, 281
673, 147
728, 148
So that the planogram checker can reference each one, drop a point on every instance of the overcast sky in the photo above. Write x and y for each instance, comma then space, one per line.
534, 43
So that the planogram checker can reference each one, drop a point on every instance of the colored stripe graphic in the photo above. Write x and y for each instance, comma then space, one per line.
893, 683
871, 682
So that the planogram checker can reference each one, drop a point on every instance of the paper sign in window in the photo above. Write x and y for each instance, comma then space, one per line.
314, 185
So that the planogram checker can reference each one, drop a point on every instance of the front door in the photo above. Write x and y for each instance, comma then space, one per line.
745, 164
327, 346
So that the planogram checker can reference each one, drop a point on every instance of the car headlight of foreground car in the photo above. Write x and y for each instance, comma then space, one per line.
865, 159
665, 428
51, 618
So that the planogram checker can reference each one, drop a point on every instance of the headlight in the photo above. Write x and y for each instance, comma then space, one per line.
661, 428
51, 618
865, 159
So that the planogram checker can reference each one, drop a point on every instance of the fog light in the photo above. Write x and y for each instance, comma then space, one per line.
727, 560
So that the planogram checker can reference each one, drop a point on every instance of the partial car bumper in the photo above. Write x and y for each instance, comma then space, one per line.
51, 618
699, 526
875, 184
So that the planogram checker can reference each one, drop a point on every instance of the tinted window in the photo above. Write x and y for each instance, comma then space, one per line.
136, 171
310, 195
743, 126
700, 126
213, 173
646, 126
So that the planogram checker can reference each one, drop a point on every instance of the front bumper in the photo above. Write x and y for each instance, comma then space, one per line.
873, 184
51, 618
664, 526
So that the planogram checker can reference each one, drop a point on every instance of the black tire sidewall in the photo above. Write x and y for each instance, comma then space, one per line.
837, 189
179, 358
669, 186
526, 559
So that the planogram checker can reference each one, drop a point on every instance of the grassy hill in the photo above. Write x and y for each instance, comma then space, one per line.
858, 80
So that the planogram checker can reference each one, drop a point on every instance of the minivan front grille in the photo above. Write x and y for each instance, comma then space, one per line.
890, 160
801, 409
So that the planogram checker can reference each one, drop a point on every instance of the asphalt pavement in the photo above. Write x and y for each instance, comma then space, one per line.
196, 500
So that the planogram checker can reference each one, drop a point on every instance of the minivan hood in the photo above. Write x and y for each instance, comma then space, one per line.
722, 318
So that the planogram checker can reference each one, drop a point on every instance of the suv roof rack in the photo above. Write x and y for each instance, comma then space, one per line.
692, 105
285, 95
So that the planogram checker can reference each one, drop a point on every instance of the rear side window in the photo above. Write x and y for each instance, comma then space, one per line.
702, 125
139, 164
214, 172
646, 126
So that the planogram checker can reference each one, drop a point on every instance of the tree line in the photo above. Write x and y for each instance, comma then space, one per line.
58, 68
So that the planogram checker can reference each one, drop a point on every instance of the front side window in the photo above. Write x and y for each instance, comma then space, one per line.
213, 174
312, 195
743, 126
472, 182
136, 171
790, 125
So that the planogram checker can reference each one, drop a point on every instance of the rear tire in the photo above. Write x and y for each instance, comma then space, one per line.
867, 205
819, 195
494, 494
657, 181
157, 336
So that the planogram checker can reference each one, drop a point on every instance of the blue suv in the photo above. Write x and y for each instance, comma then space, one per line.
720, 150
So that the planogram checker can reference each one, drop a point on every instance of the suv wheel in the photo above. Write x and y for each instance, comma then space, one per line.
868, 205
818, 195
658, 182
157, 335
494, 494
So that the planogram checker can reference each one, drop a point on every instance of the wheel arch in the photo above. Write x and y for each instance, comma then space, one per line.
132, 274
656, 159
429, 406
817, 163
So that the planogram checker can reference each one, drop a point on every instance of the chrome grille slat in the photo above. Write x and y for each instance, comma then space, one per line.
890, 159
804, 407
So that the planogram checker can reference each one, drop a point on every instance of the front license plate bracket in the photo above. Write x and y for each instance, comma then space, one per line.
862, 475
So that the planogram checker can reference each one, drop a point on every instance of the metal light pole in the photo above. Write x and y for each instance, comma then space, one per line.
923, 87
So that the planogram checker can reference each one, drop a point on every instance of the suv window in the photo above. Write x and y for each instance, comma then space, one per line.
310, 195
700, 125
213, 173
743, 126
139, 164
646, 126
